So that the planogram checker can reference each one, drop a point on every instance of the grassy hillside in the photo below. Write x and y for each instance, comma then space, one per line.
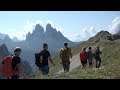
110, 63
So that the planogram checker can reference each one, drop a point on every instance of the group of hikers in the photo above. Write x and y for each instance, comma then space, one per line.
41, 60
85, 56
89, 56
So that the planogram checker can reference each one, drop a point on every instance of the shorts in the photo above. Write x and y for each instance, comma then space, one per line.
84, 62
90, 61
45, 70
98, 59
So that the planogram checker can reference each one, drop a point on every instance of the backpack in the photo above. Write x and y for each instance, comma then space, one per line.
89, 55
64, 54
7, 70
37, 60
97, 53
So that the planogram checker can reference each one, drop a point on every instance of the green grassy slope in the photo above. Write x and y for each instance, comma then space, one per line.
110, 63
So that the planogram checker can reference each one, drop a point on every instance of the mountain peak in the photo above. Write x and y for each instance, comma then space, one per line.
38, 28
102, 35
48, 25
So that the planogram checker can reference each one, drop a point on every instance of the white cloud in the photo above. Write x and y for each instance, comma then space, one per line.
14, 33
30, 25
115, 26
19, 35
84, 34
74, 37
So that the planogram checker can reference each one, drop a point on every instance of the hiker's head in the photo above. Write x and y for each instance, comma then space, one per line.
45, 46
90, 48
17, 51
98, 48
84, 49
65, 44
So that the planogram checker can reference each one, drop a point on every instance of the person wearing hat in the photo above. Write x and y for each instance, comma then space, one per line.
16, 61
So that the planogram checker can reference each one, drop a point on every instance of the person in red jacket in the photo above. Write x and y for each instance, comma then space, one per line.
83, 58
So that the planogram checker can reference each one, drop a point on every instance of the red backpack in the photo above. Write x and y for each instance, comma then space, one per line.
7, 70
83, 56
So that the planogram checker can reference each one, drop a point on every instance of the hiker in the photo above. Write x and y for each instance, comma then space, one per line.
83, 58
11, 65
90, 56
65, 55
97, 57
44, 57
16, 60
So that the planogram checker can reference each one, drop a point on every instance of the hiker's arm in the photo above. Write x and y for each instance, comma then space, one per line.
50, 59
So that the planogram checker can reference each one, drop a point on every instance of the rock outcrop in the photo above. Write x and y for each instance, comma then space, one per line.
102, 35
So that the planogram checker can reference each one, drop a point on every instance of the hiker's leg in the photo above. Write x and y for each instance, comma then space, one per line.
99, 62
63, 63
90, 64
85, 63
81, 66
68, 66
45, 70
96, 63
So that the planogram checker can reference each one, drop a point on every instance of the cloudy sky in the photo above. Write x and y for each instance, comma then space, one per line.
75, 25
